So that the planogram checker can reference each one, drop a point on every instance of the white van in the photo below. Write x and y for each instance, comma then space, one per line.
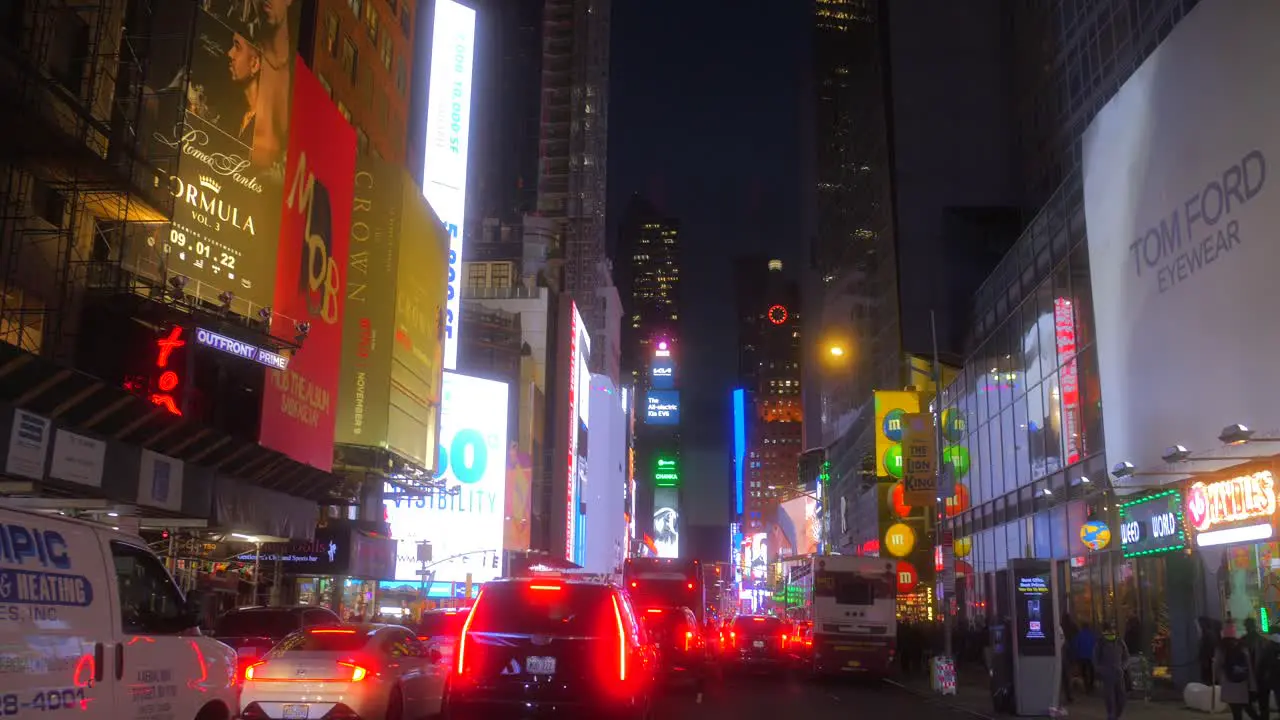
91, 620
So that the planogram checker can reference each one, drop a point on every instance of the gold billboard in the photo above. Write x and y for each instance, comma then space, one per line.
215, 126
393, 329
891, 406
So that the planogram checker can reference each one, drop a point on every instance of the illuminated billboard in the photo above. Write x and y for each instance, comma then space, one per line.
662, 369
575, 418
739, 446
891, 406
464, 522
662, 407
216, 123
666, 522
666, 472
444, 176
298, 412
392, 342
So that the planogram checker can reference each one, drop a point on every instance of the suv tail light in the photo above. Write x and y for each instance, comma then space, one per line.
688, 638
462, 639
622, 640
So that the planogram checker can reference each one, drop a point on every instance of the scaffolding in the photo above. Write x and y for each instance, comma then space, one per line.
76, 173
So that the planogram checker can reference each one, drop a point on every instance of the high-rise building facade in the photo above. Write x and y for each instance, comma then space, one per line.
363, 53
769, 370
573, 144
649, 279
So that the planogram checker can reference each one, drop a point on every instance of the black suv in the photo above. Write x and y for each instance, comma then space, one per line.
758, 642
253, 631
535, 647
682, 647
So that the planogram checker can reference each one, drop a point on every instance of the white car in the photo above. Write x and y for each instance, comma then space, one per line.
348, 672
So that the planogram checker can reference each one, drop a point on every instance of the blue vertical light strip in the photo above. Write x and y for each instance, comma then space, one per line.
739, 443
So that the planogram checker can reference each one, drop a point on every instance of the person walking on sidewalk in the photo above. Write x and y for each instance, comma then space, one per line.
1085, 642
1110, 656
1234, 668
1067, 660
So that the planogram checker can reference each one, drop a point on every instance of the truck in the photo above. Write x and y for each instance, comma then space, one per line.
853, 605
666, 582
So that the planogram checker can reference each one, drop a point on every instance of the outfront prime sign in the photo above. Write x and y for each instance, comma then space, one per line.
1181, 214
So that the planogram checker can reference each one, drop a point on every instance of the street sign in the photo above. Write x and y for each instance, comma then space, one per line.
919, 460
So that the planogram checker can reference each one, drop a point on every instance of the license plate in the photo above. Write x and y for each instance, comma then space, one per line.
297, 712
757, 643
540, 665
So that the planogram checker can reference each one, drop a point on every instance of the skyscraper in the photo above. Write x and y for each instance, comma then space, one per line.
649, 280
769, 364
573, 144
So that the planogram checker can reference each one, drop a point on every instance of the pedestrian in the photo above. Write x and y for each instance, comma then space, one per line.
1268, 671
1234, 669
1067, 660
1256, 645
1208, 646
1085, 642
1110, 656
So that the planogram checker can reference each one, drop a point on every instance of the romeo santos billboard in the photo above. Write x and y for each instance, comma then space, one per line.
298, 409
393, 324
216, 121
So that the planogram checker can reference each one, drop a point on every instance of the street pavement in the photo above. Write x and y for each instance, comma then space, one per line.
772, 697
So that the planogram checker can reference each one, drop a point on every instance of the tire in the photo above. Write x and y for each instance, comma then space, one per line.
395, 706
215, 711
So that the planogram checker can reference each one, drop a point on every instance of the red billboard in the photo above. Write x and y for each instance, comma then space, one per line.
298, 406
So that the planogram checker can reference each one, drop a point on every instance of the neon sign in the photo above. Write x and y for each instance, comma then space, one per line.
569, 505
778, 314
1068, 378
1247, 497
168, 381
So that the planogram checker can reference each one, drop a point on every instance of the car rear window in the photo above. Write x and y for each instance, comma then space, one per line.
535, 609
323, 640
434, 624
757, 625
257, 623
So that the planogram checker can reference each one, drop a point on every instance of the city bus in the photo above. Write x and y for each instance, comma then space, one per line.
854, 613
666, 582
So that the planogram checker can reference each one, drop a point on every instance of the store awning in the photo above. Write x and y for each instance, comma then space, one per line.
83, 403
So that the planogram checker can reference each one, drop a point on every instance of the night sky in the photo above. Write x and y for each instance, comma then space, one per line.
706, 119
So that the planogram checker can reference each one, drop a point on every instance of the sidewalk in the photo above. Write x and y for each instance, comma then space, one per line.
973, 696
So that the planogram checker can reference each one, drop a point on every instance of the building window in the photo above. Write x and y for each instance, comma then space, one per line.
500, 275
402, 75
477, 276
324, 83
357, 7
406, 23
362, 141
331, 33
387, 52
346, 113
350, 59
371, 22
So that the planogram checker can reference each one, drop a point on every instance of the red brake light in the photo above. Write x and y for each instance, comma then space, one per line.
654, 610
690, 586
544, 587
462, 638
248, 671
688, 636
622, 641
333, 631
357, 673
758, 619
635, 584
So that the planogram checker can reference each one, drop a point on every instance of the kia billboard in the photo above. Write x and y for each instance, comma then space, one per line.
463, 520
444, 178
216, 120
298, 404
1181, 224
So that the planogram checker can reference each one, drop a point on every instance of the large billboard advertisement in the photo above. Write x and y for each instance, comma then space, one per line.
220, 104
464, 521
393, 328
298, 409
666, 522
1181, 223
797, 526
606, 518
444, 178
891, 406
573, 436
739, 447
662, 407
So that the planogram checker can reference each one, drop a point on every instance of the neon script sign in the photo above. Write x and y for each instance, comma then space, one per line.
168, 381
1247, 497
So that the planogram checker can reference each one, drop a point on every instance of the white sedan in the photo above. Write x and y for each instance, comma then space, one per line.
349, 672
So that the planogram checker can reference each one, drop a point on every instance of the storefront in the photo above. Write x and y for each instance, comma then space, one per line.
339, 569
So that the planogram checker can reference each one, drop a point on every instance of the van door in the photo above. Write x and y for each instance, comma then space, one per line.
55, 603
157, 664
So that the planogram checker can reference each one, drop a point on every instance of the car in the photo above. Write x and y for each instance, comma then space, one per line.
757, 642
439, 630
252, 631
348, 672
681, 644
92, 619
551, 648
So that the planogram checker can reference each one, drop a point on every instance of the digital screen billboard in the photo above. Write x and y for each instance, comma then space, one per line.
739, 446
666, 522
662, 407
444, 177
662, 372
216, 123
298, 412
464, 522
579, 384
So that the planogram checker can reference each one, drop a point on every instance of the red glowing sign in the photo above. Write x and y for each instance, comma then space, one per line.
908, 578
169, 379
778, 314
1064, 331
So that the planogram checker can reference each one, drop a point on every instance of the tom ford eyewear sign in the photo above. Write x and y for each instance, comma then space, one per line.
1152, 525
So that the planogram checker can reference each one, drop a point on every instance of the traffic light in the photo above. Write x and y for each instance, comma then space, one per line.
495, 561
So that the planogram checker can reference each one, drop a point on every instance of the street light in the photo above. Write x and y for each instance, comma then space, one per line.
836, 351
1240, 434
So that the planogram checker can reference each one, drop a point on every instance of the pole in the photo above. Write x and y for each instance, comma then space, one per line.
942, 506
